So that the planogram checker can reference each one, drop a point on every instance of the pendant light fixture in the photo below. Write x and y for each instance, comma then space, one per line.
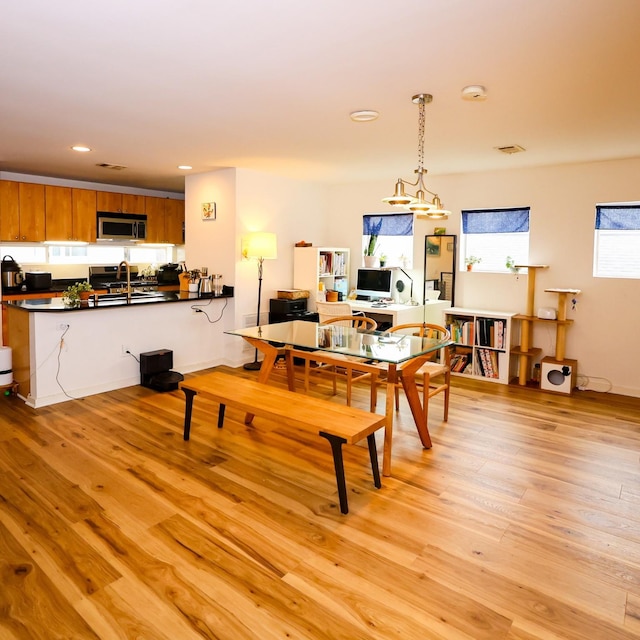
419, 202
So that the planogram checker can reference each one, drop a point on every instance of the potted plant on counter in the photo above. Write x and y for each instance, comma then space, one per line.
76, 294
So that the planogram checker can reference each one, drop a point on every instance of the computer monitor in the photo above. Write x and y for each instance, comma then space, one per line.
373, 284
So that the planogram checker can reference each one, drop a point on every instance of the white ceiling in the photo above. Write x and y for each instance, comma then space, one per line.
269, 85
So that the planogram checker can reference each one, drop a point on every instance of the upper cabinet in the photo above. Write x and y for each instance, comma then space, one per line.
119, 202
70, 214
165, 220
22, 212
37, 212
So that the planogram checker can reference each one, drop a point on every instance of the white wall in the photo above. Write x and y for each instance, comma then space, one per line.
562, 200
250, 201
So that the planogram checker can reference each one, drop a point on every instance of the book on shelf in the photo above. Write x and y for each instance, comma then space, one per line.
490, 333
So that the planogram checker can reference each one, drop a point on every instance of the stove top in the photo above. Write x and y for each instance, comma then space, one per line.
106, 277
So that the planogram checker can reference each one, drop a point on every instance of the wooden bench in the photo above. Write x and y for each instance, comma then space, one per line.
337, 423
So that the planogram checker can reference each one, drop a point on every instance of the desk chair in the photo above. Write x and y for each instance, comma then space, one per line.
350, 372
429, 370
329, 310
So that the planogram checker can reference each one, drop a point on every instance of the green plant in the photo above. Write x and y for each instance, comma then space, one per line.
471, 260
372, 244
511, 265
71, 295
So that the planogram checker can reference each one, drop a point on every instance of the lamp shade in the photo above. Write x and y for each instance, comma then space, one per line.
260, 244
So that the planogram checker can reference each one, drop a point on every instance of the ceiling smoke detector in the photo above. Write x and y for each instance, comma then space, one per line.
511, 148
474, 92
107, 165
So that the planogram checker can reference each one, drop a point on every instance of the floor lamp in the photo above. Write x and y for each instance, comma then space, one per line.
262, 246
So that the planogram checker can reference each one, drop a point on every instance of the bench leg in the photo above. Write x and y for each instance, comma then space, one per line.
373, 454
188, 408
336, 448
221, 415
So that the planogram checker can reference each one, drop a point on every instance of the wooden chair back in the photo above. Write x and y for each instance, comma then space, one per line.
357, 322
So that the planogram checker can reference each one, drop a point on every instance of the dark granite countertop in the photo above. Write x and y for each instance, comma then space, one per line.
109, 300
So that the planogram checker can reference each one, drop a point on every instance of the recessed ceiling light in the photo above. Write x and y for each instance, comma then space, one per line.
185, 167
81, 148
364, 116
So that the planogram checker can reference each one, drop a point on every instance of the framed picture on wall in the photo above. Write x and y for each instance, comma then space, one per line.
208, 210
440, 231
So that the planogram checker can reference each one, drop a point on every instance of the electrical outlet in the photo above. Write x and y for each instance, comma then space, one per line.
63, 326
125, 351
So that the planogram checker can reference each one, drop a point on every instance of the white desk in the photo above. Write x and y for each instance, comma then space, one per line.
432, 312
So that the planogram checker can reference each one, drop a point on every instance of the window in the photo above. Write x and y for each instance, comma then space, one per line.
395, 237
493, 235
25, 253
617, 239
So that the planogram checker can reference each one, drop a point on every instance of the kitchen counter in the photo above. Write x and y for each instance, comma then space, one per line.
108, 300
62, 354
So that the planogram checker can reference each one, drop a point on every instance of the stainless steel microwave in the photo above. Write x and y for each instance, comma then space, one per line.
122, 226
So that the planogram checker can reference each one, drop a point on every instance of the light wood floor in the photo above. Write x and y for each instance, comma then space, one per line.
522, 522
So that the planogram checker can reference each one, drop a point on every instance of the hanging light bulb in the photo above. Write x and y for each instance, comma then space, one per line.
419, 203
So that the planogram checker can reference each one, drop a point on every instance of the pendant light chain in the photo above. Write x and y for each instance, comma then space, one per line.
421, 126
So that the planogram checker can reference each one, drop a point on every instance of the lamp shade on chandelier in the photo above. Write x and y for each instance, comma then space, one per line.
424, 202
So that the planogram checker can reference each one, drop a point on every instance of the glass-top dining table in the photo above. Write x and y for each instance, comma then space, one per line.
402, 354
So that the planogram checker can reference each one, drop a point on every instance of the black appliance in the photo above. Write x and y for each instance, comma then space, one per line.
121, 226
169, 274
12, 276
37, 280
285, 310
106, 277
155, 370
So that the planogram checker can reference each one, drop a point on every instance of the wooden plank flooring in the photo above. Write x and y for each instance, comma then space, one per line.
522, 522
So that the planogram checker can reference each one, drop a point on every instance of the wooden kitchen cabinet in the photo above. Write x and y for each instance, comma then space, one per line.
83, 210
165, 220
119, 202
9, 210
174, 220
70, 214
22, 212
58, 217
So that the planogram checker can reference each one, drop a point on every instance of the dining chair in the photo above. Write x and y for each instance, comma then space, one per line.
349, 371
328, 310
431, 369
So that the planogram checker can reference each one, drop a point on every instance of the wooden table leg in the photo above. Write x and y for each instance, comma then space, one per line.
413, 397
392, 378
270, 354
291, 374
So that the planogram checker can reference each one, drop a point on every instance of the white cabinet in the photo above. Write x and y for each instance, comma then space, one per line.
482, 343
328, 266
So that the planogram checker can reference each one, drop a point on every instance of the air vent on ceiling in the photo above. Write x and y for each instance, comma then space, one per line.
511, 148
107, 165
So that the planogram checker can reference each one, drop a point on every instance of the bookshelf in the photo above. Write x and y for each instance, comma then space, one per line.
482, 343
315, 265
